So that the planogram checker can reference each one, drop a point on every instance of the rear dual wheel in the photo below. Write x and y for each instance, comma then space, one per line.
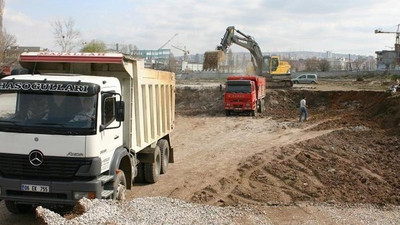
164, 149
152, 171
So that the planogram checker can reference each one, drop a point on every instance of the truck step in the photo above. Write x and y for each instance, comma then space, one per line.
105, 178
106, 193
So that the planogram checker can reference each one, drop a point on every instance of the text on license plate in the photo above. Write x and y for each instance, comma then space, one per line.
35, 188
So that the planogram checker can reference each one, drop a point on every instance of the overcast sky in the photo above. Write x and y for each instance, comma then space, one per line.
340, 26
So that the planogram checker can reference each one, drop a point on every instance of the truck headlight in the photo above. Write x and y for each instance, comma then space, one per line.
228, 104
79, 194
248, 104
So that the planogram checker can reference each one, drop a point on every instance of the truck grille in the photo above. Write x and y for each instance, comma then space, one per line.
18, 166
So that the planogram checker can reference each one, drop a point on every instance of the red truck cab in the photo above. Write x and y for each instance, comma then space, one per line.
244, 94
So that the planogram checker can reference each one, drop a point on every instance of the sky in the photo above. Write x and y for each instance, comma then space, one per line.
339, 26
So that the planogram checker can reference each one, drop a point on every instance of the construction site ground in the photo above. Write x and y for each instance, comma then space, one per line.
342, 166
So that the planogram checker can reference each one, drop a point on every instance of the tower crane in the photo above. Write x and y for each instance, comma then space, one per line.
185, 52
397, 32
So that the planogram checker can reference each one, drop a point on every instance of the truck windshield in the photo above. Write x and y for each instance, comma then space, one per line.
238, 88
43, 112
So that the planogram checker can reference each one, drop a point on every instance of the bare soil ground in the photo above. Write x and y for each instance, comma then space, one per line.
345, 158
347, 153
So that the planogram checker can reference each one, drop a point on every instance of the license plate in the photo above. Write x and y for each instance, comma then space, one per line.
35, 188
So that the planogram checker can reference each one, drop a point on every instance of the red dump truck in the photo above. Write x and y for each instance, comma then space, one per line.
244, 94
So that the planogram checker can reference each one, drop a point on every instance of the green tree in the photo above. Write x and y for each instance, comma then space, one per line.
95, 46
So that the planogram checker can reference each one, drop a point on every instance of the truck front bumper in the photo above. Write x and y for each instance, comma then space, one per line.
60, 192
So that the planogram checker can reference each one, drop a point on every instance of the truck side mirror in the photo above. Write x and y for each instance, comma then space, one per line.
120, 111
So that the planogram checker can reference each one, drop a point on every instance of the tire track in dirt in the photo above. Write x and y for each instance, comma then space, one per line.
232, 190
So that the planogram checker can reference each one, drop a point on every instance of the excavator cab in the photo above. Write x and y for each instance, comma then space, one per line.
266, 65
274, 64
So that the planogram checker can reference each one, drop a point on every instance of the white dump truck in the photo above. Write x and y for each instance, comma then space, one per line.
82, 125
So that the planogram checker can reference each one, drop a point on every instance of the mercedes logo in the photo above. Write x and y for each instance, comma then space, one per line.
36, 157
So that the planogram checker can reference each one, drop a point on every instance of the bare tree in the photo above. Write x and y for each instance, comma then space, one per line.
324, 65
311, 64
6, 41
1, 15
65, 34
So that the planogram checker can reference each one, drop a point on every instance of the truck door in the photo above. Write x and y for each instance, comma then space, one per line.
111, 133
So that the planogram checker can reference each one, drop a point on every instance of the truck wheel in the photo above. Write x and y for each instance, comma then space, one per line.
15, 208
152, 170
227, 112
253, 112
140, 173
119, 186
164, 149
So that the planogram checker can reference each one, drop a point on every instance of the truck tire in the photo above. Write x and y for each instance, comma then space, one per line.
119, 186
15, 208
227, 112
253, 112
152, 170
164, 149
140, 174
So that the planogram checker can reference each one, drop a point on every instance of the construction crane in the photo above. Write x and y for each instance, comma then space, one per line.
168, 41
397, 43
185, 52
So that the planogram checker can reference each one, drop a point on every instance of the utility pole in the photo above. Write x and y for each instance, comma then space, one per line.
350, 69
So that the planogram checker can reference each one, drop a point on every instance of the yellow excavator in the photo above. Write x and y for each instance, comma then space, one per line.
277, 72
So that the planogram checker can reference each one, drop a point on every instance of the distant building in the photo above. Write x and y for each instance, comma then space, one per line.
338, 63
388, 60
156, 57
191, 67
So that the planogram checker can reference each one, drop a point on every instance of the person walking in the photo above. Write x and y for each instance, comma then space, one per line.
303, 109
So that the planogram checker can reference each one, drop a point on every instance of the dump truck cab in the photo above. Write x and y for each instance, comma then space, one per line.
244, 94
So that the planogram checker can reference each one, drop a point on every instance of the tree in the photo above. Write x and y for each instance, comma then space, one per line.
65, 34
6, 41
311, 64
95, 46
324, 65
172, 64
359, 62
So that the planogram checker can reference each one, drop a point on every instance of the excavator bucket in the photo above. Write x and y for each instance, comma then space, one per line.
213, 60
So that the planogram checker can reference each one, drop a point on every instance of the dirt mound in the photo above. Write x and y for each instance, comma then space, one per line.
357, 162
199, 101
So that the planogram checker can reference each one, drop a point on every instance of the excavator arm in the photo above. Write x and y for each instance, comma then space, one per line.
245, 41
277, 72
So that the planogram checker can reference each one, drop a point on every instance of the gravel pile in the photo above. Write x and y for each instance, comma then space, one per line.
154, 210
364, 214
